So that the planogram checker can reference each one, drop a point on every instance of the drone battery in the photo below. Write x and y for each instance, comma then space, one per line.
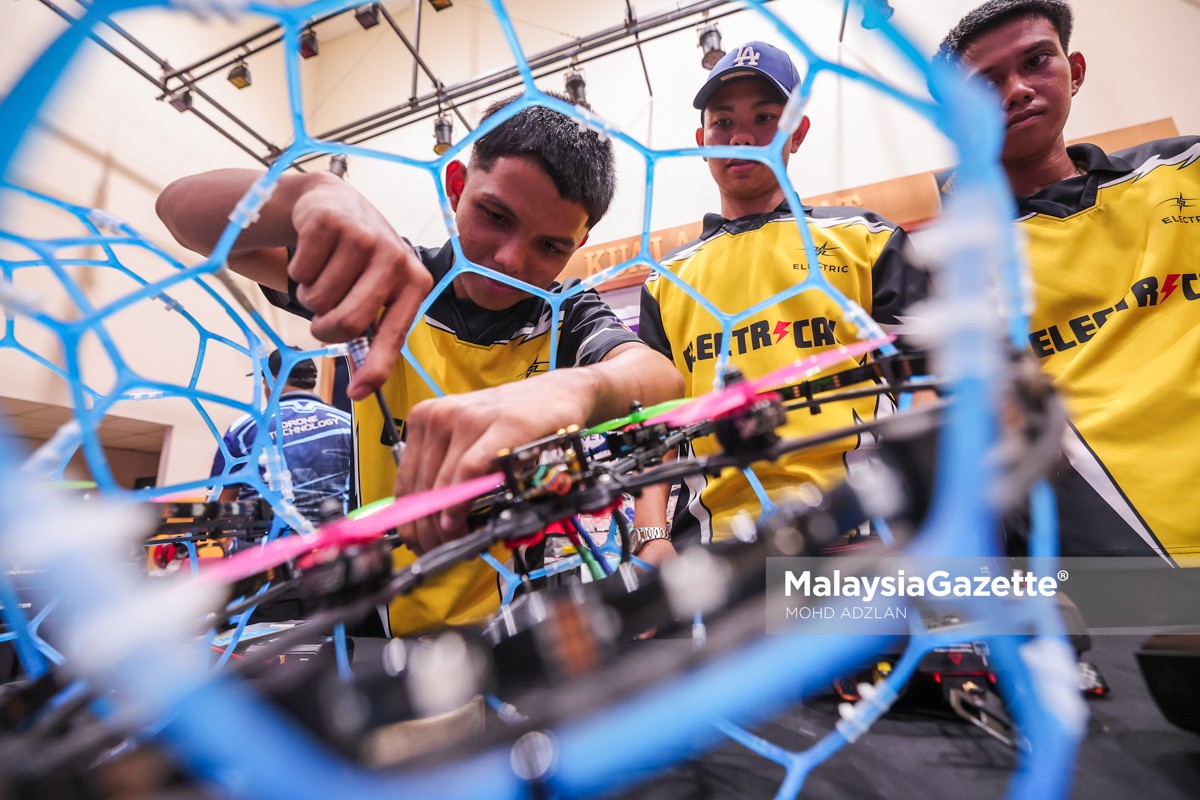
257, 643
1170, 665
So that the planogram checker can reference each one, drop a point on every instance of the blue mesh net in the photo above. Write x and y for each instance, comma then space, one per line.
198, 713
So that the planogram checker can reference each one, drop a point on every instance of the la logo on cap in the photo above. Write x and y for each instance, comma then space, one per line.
747, 56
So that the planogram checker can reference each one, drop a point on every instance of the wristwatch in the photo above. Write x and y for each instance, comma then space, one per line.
640, 537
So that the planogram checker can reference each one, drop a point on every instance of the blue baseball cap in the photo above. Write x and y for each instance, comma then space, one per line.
751, 60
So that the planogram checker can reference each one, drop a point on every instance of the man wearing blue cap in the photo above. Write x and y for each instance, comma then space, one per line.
748, 253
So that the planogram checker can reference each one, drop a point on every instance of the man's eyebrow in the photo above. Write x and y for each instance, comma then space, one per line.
566, 242
500, 204
1040, 44
505, 209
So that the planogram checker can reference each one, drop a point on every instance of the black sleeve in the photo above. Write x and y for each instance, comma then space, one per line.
650, 325
897, 279
590, 330
286, 300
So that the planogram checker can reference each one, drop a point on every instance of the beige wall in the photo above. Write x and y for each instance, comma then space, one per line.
109, 142
127, 465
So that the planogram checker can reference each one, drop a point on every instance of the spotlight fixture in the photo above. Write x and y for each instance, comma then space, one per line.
440, 5
308, 44
181, 100
575, 85
339, 165
239, 76
710, 43
367, 16
443, 133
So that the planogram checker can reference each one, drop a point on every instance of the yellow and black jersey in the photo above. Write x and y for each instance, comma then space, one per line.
463, 348
1115, 261
739, 264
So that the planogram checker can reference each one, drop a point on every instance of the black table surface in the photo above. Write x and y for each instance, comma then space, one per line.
921, 750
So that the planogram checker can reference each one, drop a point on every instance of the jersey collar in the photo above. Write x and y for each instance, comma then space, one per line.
715, 223
1073, 195
301, 394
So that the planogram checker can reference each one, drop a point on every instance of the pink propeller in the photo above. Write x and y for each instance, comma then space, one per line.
733, 397
348, 531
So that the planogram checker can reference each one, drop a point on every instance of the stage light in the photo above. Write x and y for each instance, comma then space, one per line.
181, 100
575, 85
710, 43
239, 76
308, 44
367, 16
440, 5
339, 165
443, 133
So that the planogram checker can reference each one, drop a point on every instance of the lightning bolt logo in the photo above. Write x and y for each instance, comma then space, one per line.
537, 366
1169, 287
1180, 201
781, 330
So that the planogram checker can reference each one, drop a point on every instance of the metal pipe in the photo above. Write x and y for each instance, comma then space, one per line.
542, 64
238, 45
160, 84
582, 50
418, 61
417, 39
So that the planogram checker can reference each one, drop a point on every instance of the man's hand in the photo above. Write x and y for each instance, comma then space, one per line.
352, 269
455, 438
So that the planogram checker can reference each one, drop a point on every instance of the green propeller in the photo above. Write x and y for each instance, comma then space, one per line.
371, 508
641, 415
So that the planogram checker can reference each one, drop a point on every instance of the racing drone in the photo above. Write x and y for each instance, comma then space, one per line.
580, 637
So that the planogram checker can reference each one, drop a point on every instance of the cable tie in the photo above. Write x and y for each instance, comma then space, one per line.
107, 220
246, 212
857, 718
15, 299
229, 9
147, 395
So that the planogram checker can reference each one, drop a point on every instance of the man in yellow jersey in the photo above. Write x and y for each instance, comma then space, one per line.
533, 188
748, 253
1112, 246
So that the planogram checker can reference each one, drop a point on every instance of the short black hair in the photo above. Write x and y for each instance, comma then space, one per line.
998, 12
303, 374
577, 158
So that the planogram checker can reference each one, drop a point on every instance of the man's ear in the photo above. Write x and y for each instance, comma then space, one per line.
456, 180
800, 132
1078, 70
700, 139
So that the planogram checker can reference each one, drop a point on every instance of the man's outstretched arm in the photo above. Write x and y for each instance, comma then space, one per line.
351, 269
